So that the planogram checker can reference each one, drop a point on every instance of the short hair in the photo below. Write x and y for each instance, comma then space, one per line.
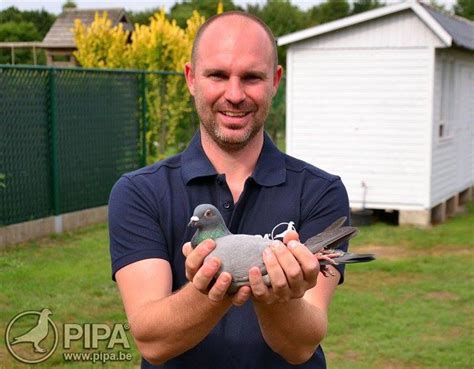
252, 17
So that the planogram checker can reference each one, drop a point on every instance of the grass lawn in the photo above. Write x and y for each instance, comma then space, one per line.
413, 308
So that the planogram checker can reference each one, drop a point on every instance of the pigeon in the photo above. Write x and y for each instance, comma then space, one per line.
37, 333
240, 252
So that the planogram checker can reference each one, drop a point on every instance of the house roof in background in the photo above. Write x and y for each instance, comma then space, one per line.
60, 34
450, 29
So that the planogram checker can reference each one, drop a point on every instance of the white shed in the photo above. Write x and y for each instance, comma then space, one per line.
385, 99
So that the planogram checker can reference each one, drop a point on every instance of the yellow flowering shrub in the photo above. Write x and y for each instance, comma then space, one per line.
160, 46
100, 45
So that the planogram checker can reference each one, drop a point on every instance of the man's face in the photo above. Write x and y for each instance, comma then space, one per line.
233, 80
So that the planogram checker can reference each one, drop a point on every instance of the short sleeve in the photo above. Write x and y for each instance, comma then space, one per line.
321, 211
134, 230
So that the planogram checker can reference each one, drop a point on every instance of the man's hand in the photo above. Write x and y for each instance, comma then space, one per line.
202, 274
292, 269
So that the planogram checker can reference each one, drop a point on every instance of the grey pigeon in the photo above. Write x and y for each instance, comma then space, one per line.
240, 252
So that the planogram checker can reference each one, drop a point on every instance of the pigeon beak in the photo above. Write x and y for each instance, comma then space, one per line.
193, 221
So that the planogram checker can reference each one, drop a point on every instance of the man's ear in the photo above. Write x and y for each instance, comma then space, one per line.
189, 75
277, 78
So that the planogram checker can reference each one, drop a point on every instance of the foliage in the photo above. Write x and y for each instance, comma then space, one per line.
69, 4
464, 8
162, 45
143, 16
2, 180
360, 6
328, 11
16, 25
100, 45
41, 19
21, 31
282, 17
18, 31
184, 10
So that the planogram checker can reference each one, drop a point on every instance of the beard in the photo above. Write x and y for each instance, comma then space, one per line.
229, 142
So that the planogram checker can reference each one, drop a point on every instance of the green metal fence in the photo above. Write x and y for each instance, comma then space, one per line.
67, 134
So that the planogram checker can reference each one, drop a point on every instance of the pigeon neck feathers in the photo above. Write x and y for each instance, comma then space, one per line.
209, 223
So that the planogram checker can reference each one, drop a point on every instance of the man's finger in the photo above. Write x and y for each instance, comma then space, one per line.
241, 296
206, 273
290, 235
187, 249
289, 264
259, 290
308, 262
277, 276
196, 257
220, 287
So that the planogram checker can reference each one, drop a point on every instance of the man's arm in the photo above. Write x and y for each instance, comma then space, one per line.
292, 313
166, 324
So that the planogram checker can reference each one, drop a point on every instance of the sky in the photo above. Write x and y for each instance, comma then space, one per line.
55, 6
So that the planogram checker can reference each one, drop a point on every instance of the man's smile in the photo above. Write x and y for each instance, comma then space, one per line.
234, 113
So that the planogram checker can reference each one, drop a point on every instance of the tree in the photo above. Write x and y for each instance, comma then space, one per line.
16, 25
69, 4
464, 8
18, 31
41, 19
282, 17
142, 17
184, 10
360, 6
328, 11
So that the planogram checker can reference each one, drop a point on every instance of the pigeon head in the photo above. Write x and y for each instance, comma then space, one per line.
209, 223
204, 216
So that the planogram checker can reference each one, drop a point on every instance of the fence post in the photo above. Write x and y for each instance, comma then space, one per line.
143, 111
54, 141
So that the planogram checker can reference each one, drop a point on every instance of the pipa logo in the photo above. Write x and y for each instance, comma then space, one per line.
32, 336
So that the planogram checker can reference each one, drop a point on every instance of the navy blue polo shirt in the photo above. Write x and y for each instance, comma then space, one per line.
148, 214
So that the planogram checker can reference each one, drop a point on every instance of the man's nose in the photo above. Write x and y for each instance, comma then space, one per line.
234, 92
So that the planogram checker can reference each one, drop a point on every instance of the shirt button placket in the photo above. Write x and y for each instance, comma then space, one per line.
224, 191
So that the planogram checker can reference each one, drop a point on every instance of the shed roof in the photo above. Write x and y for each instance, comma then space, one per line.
450, 29
460, 29
60, 34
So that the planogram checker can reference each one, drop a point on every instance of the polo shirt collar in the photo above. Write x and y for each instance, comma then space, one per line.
269, 171
271, 165
194, 162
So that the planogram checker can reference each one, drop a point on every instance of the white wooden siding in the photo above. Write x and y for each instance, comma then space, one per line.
453, 159
402, 29
363, 114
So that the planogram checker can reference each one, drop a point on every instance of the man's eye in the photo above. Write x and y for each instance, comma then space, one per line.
252, 78
216, 76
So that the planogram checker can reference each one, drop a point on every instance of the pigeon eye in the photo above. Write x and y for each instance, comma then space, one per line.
208, 213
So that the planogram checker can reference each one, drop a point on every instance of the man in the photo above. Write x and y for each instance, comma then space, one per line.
179, 316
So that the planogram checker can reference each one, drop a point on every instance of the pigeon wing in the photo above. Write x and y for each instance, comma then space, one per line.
331, 237
238, 253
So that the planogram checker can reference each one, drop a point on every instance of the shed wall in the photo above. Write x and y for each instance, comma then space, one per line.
453, 106
363, 114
